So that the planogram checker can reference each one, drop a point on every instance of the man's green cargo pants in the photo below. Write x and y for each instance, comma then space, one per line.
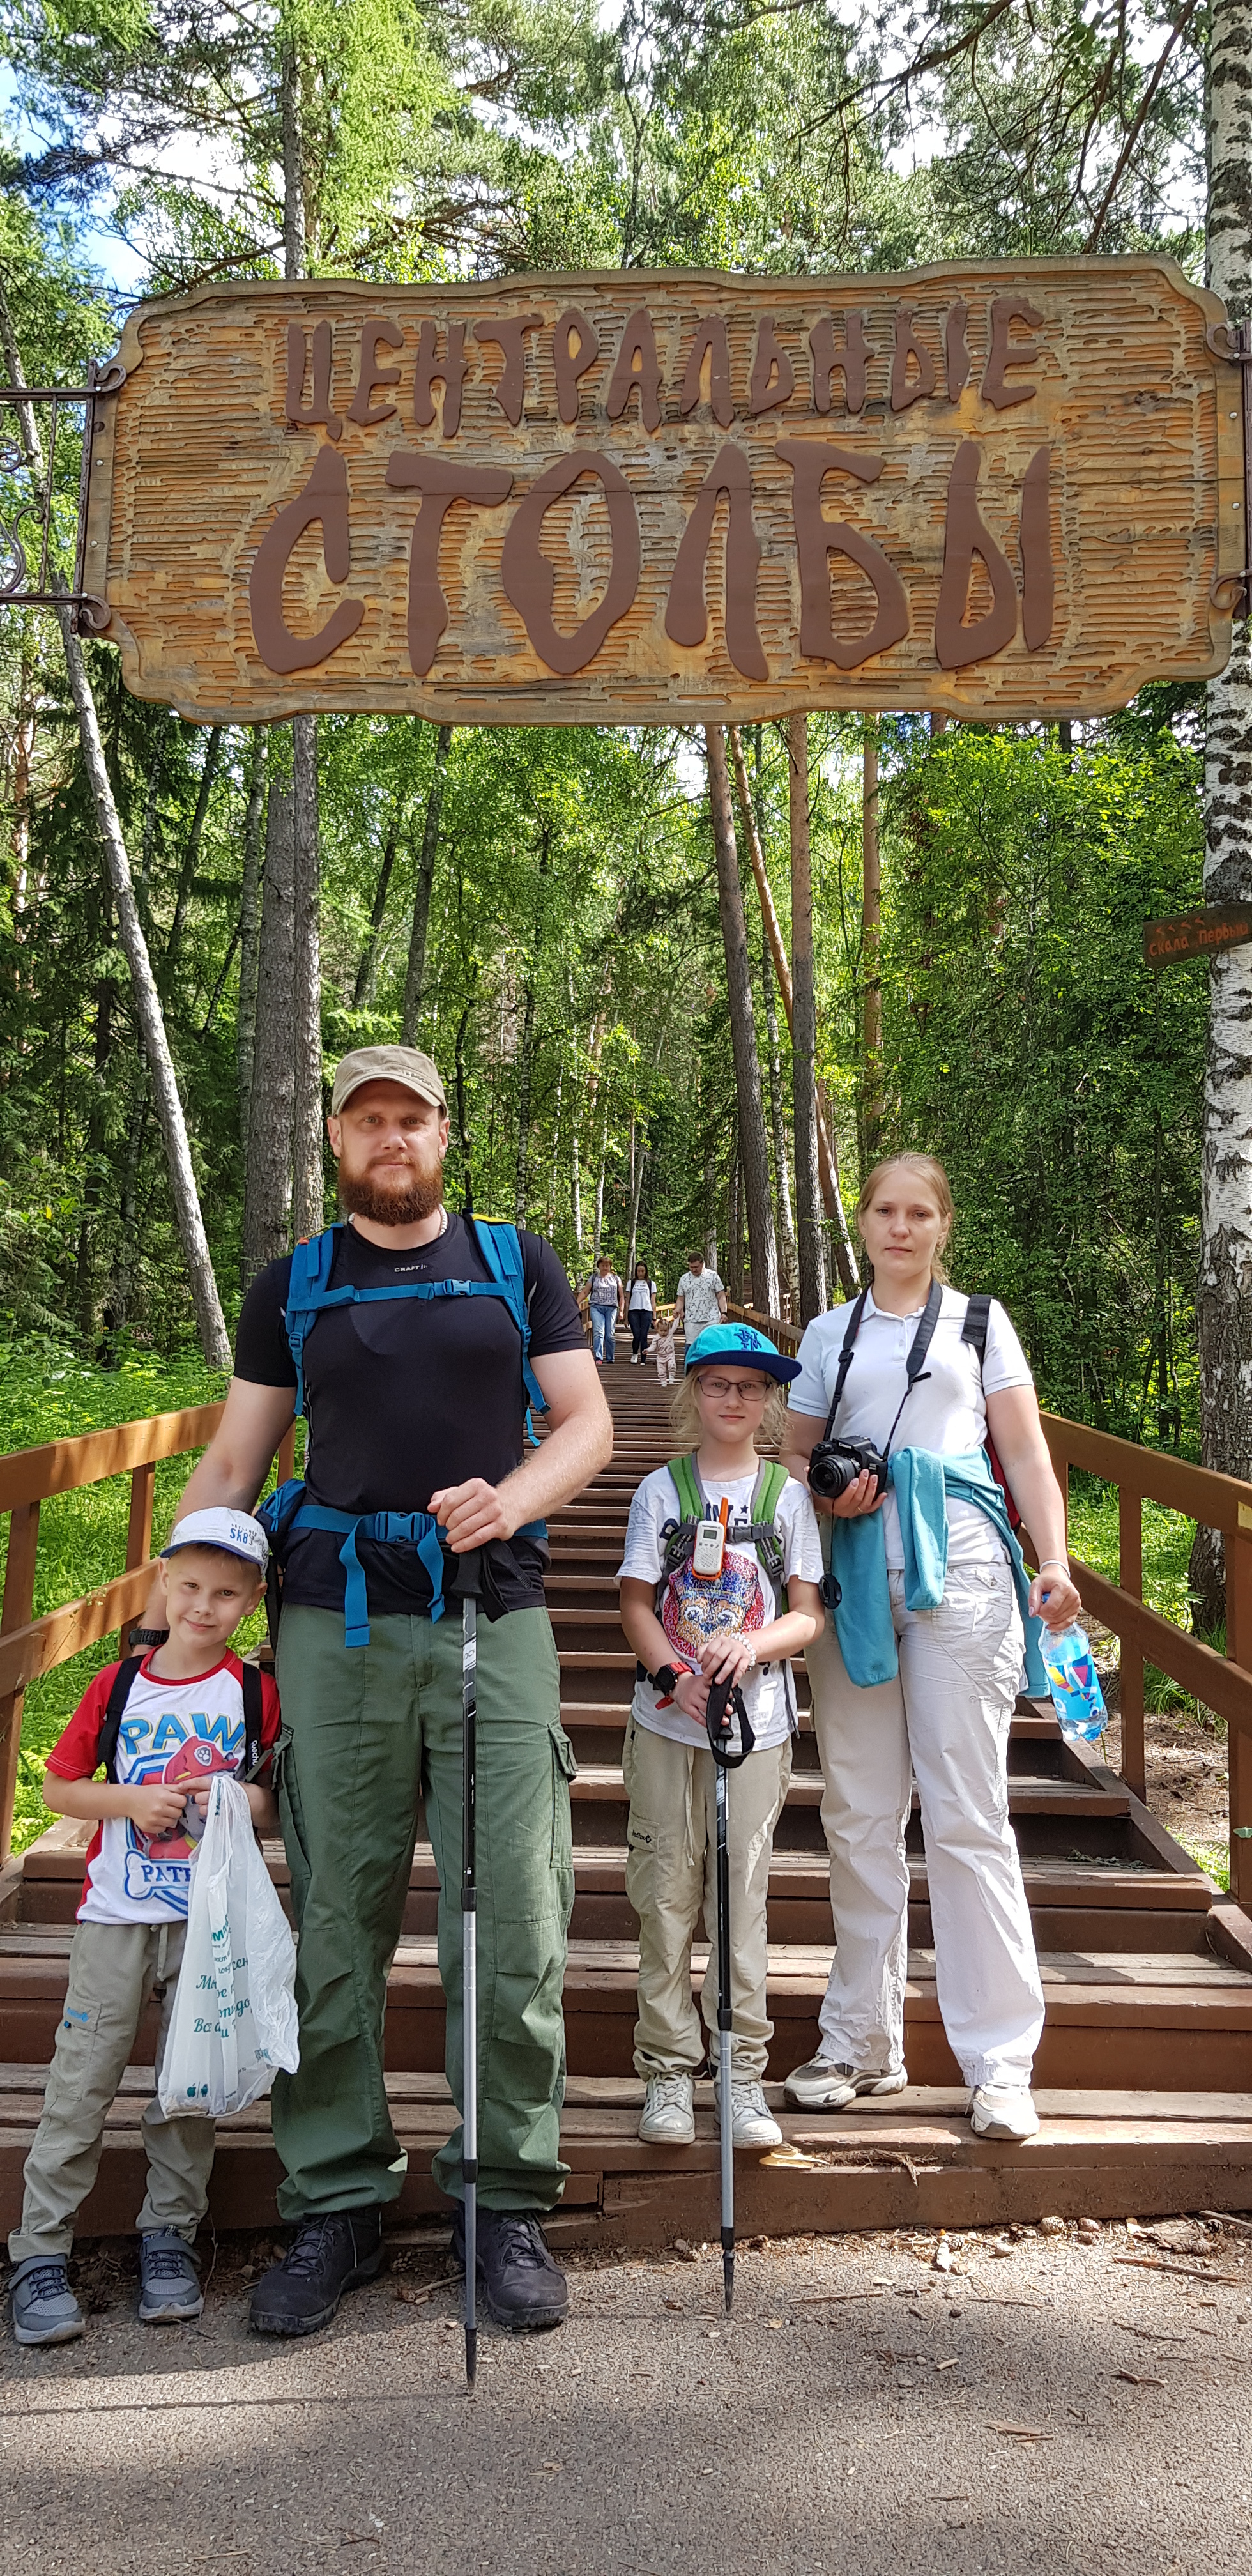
367, 1732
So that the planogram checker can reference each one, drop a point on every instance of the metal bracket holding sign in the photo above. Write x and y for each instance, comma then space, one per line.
1232, 341
46, 587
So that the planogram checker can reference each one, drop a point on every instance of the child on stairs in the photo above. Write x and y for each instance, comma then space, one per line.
162, 1724
688, 1630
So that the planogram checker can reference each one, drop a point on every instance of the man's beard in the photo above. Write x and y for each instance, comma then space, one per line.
413, 1195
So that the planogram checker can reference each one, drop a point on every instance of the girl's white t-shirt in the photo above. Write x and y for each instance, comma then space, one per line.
945, 1412
655, 1505
642, 1294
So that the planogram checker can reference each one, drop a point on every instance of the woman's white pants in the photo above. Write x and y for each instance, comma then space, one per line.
945, 1720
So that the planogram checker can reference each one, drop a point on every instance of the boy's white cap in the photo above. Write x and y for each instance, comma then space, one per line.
237, 1532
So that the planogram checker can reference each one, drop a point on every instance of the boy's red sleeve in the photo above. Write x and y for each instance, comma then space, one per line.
75, 1755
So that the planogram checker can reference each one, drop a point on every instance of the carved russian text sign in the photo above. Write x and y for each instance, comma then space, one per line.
1004, 491
1197, 934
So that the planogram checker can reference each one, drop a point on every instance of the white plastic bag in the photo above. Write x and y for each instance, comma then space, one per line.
234, 2017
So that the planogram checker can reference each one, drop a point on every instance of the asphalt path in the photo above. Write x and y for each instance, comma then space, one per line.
1054, 2407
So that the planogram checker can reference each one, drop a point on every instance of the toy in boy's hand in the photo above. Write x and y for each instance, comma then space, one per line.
195, 1763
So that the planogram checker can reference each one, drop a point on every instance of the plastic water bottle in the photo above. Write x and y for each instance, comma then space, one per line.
1074, 1683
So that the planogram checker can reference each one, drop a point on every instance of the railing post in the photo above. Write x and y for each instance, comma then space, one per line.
1130, 1577
18, 1610
1238, 1545
139, 1528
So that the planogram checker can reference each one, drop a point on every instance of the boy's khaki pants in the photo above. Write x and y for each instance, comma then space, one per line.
671, 1870
114, 1968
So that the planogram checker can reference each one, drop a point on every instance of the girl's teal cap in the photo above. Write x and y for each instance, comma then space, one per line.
743, 1343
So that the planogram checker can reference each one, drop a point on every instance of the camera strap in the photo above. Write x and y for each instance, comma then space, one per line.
913, 1368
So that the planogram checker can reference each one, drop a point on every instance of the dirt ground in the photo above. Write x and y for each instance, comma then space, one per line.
1064, 2400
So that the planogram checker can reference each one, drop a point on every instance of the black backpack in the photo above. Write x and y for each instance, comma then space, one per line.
254, 1752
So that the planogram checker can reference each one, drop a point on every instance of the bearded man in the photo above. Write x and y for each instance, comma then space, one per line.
415, 1405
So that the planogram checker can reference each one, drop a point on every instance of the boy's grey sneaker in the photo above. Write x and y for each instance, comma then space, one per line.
170, 2292
45, 2309
821, 2085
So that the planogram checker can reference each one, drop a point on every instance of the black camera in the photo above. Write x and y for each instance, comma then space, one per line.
836, 1464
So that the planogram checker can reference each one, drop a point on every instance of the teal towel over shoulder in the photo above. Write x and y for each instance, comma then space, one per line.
858, 1560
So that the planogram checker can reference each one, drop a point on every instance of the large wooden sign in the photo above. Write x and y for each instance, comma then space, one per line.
1003, 491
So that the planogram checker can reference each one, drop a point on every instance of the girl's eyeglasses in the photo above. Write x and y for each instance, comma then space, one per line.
750, 1390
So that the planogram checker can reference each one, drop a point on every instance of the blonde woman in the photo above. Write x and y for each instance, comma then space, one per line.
916, 1673
692, 1624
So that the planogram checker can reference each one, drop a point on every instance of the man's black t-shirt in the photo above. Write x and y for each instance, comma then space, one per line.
405, 1397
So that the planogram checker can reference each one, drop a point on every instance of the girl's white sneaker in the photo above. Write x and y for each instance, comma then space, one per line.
752, 2123
1003, 2111
669, 2118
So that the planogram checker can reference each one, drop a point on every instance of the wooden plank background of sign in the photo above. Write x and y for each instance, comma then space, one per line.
1205, 933
1006, 491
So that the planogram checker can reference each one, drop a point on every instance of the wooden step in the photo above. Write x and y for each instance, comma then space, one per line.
909, 2162
1180, 2022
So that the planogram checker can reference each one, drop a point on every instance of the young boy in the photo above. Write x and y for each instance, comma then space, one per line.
184, 1719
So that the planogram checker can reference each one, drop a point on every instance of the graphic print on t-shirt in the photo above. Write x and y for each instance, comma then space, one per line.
173, 1732
697, 1607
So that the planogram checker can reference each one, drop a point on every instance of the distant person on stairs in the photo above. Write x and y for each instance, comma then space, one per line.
700, 1300
917, 1673
641, 1312
414, 1339
607, 1300
690, 1627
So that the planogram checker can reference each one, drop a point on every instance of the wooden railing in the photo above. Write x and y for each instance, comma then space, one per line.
28, 1477
1222, 1682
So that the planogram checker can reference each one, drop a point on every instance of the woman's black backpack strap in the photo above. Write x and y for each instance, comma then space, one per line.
974, 1328
115, 1710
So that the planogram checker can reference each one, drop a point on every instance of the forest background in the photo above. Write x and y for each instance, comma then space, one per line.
540, 907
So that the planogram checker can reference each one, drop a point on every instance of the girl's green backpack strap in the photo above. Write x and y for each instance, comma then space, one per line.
769, 1485
691, 1503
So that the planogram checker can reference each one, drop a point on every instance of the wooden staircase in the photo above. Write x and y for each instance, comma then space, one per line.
1144, 2073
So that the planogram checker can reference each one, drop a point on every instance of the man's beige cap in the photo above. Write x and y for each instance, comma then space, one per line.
386, 1064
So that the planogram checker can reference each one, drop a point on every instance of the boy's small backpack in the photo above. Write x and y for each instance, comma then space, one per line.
688, 1607
254, 1753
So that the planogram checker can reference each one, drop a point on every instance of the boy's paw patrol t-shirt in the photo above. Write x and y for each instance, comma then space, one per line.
177, 1733
740, 1598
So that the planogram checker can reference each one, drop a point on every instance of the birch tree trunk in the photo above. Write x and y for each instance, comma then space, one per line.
871, 951
778, 1128
169, 1108
415, 974
249, 928
1224, 1298
641, 1156
810, 1241
267, 1181
753, 1148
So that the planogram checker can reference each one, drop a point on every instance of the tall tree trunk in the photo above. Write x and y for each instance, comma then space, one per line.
526, 1052
118, 1314
810, 1242
416, 972
753, 1148
778, 1127
734, 1234
555, 1170
191, 854
249, 929
169, 1107
575, 1150
93, 1178
1224, 1299
827, 1163
308, 1210
267, 1182
598, 1242
871, 951
636, 1193
363, 988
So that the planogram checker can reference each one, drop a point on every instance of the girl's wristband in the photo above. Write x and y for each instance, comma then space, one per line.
1061, 1561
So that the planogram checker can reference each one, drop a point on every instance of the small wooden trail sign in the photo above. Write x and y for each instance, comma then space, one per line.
1203, 933
1005, 490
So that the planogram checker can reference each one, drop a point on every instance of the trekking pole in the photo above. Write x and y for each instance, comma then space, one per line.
469, 1976
717, 1722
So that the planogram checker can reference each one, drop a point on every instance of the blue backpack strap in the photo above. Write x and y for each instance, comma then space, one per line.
500, 1246
306, 1294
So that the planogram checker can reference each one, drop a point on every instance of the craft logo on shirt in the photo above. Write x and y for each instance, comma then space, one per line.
159, 1865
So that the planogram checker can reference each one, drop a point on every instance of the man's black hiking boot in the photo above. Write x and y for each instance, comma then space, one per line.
326, 2256
520, 2286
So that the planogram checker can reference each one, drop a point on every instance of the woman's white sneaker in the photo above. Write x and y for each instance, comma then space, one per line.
1003, 2111
669, 2118
752, 2123
821, 2085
